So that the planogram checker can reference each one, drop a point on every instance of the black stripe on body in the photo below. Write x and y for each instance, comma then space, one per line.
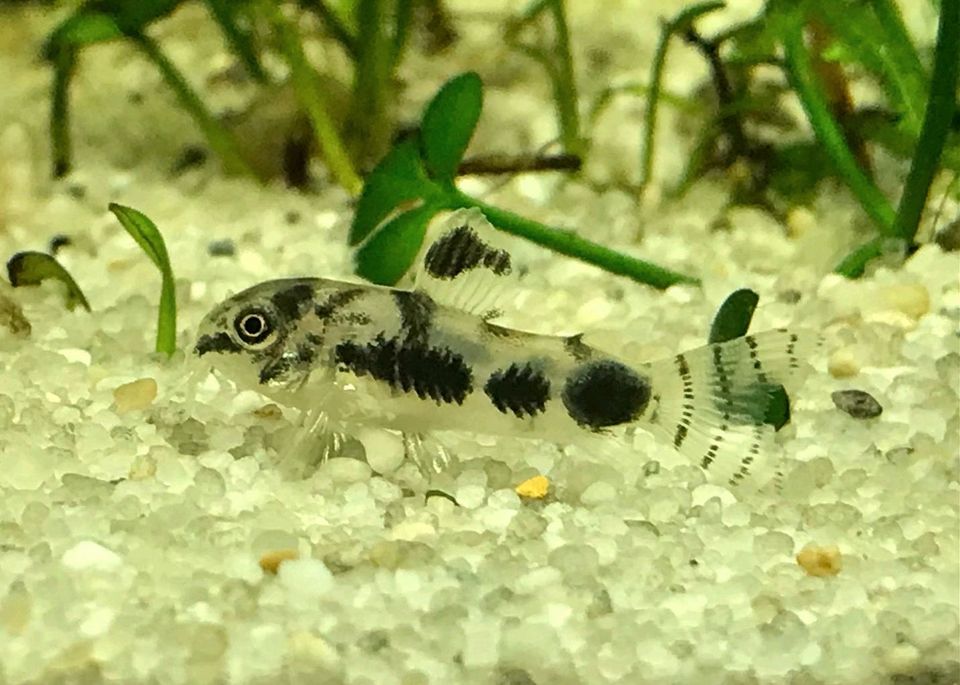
436, 373
416, 315
292, 303
300, 360
218, 342
461, 250
338, 299
520, 389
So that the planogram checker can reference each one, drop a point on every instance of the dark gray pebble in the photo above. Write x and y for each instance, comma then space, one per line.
221, 248
857, 403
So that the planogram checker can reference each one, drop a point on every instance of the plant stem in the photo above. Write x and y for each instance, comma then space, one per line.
559, 68
855, 263
828, 131
565, 85
369, 132
217, 136
940, 110
897, 53
678, 23
63, 69
311, 97
568, 243
333, 24
239, 39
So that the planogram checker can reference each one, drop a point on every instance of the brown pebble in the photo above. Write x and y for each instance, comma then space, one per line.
820, 561
12, 318
268, 411
857, 403
270, 561
134, 396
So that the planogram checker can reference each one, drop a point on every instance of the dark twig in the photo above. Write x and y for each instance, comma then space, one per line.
505, 164
728, 118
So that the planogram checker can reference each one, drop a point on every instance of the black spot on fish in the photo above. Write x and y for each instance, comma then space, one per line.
306, 354
292, 302
336, 300
605, 393
461, 250
218, 342
436, 373
273, 370
576, 348
520, 389
416, 315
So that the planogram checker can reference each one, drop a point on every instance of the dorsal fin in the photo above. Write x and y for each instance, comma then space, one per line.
465, 263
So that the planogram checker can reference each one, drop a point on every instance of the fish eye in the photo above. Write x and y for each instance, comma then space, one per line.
253, 326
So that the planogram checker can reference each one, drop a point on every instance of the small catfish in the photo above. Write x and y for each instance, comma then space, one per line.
431, 358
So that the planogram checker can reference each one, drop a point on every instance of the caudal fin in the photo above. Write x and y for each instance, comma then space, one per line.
712, 402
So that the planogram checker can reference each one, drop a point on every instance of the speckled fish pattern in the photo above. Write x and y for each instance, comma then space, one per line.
405, 360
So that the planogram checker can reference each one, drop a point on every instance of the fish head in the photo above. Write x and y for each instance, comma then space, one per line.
258, 338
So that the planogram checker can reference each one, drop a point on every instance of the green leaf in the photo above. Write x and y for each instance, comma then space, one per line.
32, 268
398, 179
97, 22
448, 123
148, 237
391, 250
733, 317
82, 28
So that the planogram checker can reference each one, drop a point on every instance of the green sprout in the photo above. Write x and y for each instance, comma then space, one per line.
32, 268
148, 237
416, 179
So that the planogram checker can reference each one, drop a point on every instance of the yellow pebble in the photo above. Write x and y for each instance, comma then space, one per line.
911, 299
534, 488
843, 363
270, 561
820, 561
136, 395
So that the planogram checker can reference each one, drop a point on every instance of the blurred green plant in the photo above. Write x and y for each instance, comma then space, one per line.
148, 237
822, 44
556, 60
99, 21
416, 179
32, 268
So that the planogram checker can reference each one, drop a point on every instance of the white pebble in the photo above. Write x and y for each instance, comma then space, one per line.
87, 554
307, 578
384, 449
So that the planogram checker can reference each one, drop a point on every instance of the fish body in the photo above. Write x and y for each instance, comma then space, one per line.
430, 358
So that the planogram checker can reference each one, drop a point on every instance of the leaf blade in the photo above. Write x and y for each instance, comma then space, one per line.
148, 237
32, 268
733, 316
397, 179
448, 123
392, 249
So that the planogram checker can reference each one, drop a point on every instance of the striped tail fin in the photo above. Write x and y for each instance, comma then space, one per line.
712, 401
